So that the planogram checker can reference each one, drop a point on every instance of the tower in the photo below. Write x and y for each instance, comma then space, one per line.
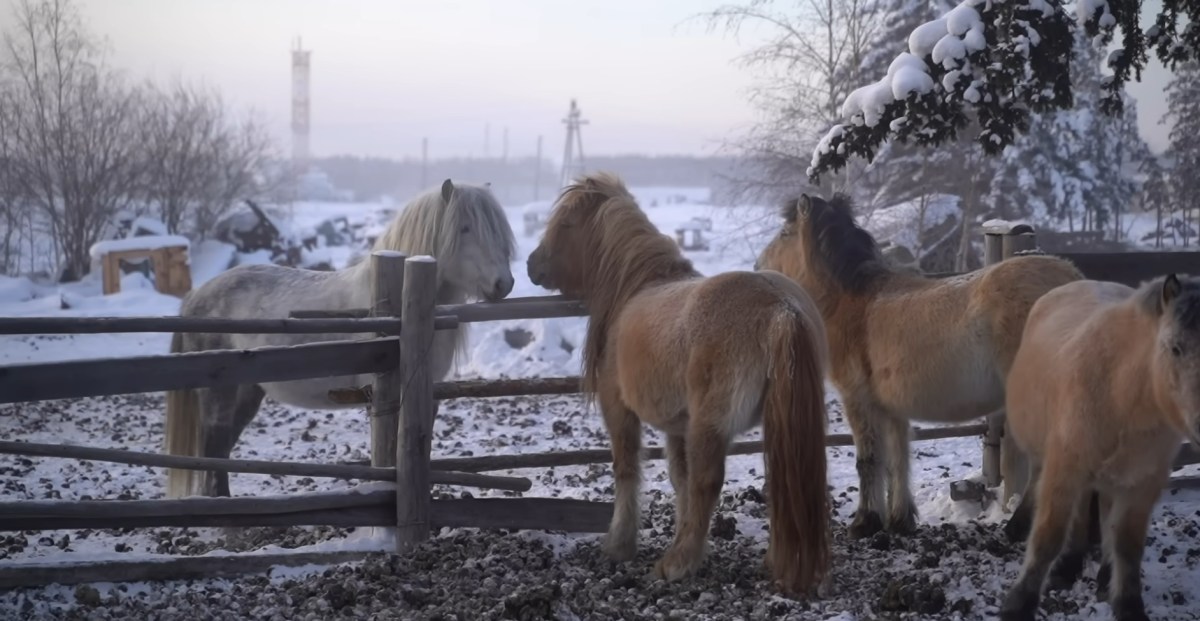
572, 165
300, 107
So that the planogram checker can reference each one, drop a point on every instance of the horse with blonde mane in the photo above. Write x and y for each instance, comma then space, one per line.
1104, 388
904, 346
462, 226
702, 359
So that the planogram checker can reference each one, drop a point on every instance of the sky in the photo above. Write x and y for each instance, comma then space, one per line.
648, 75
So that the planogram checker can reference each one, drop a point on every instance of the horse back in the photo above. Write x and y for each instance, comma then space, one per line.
720, 323
1066, 380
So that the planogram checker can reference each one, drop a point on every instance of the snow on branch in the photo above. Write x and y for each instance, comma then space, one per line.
995, 62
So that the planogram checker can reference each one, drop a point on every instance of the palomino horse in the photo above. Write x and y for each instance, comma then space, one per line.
703, 360
462, 226
1103, 389
903, 346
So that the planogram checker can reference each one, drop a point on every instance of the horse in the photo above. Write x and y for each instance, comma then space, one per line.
904, 346
462, 226
1103, 389
702, 359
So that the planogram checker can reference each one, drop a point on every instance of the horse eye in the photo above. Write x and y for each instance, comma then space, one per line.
1176, 351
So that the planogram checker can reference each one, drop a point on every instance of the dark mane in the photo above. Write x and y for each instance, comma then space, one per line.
847, 252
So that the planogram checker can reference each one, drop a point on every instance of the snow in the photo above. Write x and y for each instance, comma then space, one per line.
144, 242
463, 427
903, 223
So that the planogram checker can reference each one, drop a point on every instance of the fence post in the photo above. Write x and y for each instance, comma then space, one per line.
1014, 467
415, 431
387, 290
994, 242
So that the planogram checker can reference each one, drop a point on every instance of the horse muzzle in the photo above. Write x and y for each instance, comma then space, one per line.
500, 289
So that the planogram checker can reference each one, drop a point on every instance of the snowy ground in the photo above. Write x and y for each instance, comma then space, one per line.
956, 567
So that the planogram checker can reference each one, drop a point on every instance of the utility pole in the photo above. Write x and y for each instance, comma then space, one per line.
573, 151
537, 169
424, 163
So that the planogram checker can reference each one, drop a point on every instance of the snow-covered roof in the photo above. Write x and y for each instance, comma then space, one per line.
145, 242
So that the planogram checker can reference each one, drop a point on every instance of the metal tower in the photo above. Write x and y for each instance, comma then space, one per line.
572, 165
300, 107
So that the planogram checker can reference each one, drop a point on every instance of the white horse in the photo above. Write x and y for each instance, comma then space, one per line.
463, 227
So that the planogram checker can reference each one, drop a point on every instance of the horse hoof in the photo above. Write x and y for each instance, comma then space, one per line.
1065, 572
673, 566
906, 525
1130, 609
865, 524
1017, 529
619, 551
1019, 609
1103, 575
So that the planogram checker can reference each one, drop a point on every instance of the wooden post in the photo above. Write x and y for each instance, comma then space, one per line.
387, 289
994, 242
417, 407
1013, 467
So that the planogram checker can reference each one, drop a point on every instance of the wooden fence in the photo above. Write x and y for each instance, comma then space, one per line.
401, 403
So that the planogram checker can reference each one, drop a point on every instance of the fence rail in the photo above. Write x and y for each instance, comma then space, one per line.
403, 319
286, 468
115, 376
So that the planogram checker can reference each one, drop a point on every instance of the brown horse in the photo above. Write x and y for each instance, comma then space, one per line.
903, 346
1103, 389
703, 360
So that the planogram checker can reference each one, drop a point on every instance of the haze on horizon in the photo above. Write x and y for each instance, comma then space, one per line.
649, 76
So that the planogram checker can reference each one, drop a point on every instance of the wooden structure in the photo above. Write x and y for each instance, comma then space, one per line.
690, 235
169, 264
402, 403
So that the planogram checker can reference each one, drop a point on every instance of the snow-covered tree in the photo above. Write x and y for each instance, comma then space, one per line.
1156, 197
1183, 108
999, 62
1074, 168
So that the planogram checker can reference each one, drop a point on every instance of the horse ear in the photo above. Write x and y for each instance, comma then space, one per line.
805, 204
447, 190
1171, 288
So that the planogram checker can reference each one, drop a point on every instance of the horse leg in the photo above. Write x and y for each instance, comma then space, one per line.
902, 510
706, 448
625, 434
1014, 466
678, 468
864, 426
1129, 519
1104, 574
233, 409
1019, 523
1069, 566
1058, 490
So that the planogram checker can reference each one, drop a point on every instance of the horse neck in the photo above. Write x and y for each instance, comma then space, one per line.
1140, 382
620, 279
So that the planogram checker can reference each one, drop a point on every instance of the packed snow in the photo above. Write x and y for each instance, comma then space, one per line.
957, 567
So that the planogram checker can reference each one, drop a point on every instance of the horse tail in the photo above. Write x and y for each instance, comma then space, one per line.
183, 433
794, 424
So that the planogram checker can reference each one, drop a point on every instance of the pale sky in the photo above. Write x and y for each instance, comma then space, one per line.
386, 73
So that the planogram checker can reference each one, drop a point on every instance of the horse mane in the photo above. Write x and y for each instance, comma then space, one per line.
428, 226
627, 253
846, 251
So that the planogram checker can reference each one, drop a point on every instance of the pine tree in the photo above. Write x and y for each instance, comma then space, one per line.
1069, 171
999, 63
1183, 107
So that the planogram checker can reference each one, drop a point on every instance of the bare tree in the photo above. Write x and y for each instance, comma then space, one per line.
813, 52
201, 160
73, 139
